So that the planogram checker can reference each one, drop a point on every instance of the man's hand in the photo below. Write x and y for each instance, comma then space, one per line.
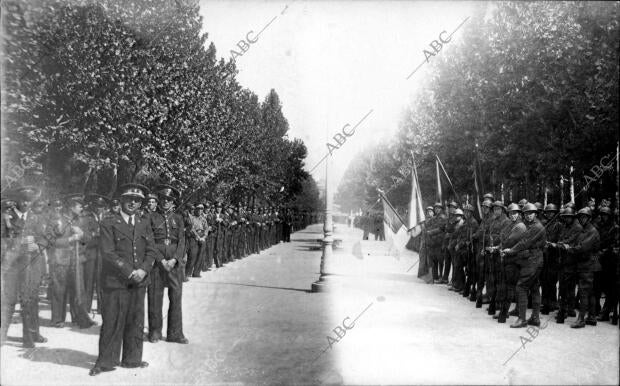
138, 275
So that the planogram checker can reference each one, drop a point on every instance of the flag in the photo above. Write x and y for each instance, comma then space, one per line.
394, 229
416, 210
477, 189
438, 180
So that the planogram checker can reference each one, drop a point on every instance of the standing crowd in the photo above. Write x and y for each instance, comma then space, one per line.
118, 252
544, 258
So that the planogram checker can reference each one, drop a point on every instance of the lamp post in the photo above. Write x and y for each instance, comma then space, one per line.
323, 284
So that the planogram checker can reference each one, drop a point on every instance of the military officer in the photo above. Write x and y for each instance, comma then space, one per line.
570, 231
209, 216
23, 266
493, 262
168, 232
481, 237
608, 232
466, 250
128, 252
435, 234
219, 225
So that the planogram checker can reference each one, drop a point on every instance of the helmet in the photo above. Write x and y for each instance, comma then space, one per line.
529, 207
458, 212
551, 208
429, 208
468, 207
488, 196
487, 203
567, 212
586, 211
453, 204
499, 203
569, 205
438, 205
522, 202
538, 205
514, 208
604, 209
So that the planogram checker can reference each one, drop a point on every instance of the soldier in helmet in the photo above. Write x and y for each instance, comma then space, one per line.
522, 203
493, 261
570, 231
466, 251
608, 232
435, 232
509, 236
481, 237
488, 197
582, 251
424, 254
447, 241
458, 258
550, 271
529, 258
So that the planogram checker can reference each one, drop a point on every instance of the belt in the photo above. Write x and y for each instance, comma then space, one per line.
165, 241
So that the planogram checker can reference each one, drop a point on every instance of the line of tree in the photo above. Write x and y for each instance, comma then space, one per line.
104, 92
529, 89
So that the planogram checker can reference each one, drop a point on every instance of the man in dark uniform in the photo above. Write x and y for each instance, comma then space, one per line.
128, 252
467, 252
218, 220
435, 232
23, 266
115, 206
68, 237
92, 267
210, 243
529, 258
549, 275
583, 251
509, 236
197, 241
169, 269
482, 240
608, 232
493, 261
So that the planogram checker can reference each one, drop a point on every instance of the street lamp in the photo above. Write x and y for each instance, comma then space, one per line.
323, 284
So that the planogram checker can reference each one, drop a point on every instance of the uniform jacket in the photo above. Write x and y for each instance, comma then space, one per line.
532, 242
124, 251
569, 236
585, 247
168, 234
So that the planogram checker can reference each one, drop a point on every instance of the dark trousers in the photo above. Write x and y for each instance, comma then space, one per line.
458, 272
29, 308
528, 283
585, 281
480, 272
567, 288
489, 274
161, 278
63, 292
470, 269
218, 251
90, 269
447, 263
123, 322
436, 257
549, 280
195, 258
208, 262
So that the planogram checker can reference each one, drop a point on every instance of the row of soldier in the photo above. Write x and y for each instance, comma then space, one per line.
119, 250
547, 259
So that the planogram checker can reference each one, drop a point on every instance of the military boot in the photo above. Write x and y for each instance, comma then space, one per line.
503, 313
514, 312
472, 297
479, 301
491, 309
591, 320
603, 316
519, 323
579, 323
559, 318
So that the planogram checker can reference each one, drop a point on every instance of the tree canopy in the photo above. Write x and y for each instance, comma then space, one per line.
105, 92
529, 89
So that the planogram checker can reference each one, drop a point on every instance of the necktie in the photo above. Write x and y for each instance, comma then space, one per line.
131, 221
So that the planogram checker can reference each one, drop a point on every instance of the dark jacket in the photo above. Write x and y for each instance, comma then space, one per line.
168, 226
585, 247
124, 251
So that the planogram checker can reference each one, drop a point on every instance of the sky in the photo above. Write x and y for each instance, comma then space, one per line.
333, 63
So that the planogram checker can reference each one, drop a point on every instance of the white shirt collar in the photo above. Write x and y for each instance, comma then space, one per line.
127, 216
